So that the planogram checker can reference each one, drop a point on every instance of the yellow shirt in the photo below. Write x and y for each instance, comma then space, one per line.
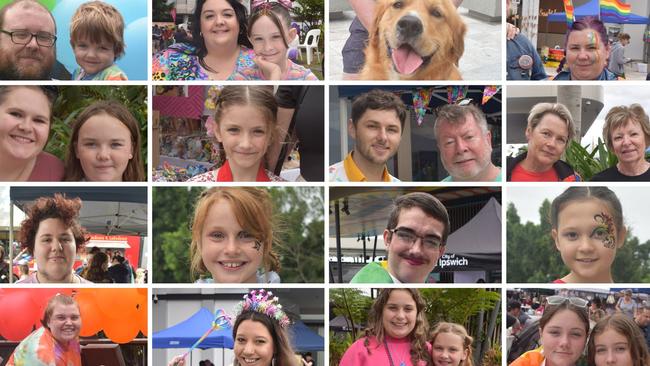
350, 172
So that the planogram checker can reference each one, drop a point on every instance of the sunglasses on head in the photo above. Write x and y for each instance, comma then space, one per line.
559, 300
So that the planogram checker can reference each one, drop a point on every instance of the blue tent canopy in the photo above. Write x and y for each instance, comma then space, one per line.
592, 8
185, 333
304, 339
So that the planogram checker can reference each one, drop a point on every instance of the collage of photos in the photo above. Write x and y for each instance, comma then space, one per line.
324, 183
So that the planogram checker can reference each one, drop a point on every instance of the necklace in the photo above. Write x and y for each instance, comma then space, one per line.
390, 358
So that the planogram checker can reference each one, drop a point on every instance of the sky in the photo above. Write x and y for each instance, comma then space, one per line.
4, 209
635, 202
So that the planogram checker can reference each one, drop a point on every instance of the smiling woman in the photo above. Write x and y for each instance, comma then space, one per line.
25, 123
396, 333
52, 235
58, 339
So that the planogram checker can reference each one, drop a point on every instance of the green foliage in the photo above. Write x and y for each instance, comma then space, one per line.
310, 13
161, 11
339, 343
73, 99
533, 257
457, 305
492, 357
586, 163
351, 304
300, 236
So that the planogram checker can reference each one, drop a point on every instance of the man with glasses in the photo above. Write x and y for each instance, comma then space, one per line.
465, 144
27, 41
415, 238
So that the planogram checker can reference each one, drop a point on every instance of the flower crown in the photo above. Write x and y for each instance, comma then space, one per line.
265, 303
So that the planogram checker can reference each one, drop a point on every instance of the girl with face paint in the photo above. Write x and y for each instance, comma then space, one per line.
587, 228
587, 51
232, 236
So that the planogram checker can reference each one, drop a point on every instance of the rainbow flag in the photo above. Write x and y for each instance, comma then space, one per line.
568, 10
615, 8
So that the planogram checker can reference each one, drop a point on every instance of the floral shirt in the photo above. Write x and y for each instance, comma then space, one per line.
180, 62
211, 176
41, 349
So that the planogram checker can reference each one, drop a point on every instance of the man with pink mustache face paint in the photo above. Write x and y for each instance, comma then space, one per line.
415, 238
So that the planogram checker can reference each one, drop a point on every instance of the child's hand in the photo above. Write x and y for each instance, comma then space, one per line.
270, 70
177, 361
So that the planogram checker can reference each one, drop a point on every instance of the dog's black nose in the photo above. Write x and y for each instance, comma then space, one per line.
409, 26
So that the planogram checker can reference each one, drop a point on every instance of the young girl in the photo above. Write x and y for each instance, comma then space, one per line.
587, 227
105, 145
563, 328
270, 33
260, 333
396, 333
617, 340
97, 39
232, 236
246, 123
451, 345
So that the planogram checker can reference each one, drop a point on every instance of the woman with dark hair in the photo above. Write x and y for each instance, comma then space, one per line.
563, 328
586, 49
53, 236
25, 125
259, 332
97, 270
396, 333
220, 48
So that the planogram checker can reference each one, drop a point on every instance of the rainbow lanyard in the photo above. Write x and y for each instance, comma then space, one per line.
221, 320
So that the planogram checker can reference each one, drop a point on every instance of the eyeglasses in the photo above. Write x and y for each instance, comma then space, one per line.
407, 236
559, 300
43, 39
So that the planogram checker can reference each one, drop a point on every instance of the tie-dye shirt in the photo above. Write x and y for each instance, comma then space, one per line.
180, 62
112, 72
41, 349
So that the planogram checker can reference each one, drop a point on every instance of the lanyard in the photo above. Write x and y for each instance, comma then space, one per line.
390, 358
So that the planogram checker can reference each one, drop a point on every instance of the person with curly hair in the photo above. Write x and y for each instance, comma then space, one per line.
396, 333
97, 271
52, 235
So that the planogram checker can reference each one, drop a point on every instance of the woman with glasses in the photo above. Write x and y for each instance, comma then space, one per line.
564, 328
617, 341
396, 333
233, 236
25, 124
627, 305
549, 132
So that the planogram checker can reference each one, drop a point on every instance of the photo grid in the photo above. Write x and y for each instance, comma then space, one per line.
251, 182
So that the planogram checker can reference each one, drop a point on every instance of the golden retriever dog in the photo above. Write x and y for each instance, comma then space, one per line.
415, 40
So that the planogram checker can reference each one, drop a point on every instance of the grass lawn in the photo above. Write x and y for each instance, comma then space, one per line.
315, 67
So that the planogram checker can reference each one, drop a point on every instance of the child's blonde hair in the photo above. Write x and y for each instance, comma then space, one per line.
254, 212
98, 21
459, 330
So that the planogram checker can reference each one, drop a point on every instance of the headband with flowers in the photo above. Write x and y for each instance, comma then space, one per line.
263, 302
266, 4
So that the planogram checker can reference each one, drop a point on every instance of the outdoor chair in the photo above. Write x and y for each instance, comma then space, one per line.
311, 43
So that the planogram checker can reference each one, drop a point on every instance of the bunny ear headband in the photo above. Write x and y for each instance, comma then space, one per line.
266, 4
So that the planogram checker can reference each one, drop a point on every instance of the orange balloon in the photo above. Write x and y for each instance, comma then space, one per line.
41, 296
121, 330
143, 313
91, 317
117, 303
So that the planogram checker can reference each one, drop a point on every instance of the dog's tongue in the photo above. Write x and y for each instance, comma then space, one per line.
406, 60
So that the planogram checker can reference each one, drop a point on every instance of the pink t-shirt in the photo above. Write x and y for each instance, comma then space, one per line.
48, 168
400, 351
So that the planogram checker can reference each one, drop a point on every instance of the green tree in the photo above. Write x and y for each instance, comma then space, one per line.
457, 304
161, 11
310, 13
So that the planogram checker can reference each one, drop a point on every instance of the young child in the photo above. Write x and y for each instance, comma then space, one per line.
105, 145
617, 340
246, 123
232, 236
270, 33
451, 345
97, 39
587, 227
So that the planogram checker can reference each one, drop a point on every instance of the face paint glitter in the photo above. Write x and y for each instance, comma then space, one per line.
257, 245
605, 230
593, 42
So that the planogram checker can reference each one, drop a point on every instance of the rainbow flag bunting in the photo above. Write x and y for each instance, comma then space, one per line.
615, 8
568, 10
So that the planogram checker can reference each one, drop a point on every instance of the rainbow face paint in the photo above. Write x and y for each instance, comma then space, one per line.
605, 230
594, 44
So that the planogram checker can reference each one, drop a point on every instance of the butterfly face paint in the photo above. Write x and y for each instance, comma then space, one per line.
586, 54
605, 230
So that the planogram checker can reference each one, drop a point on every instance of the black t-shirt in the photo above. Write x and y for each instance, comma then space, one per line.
613, 175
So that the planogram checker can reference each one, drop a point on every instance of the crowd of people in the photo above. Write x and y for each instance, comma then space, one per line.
613, 330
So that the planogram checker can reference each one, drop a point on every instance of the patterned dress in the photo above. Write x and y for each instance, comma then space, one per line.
180, 62
41, 349
112, 72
